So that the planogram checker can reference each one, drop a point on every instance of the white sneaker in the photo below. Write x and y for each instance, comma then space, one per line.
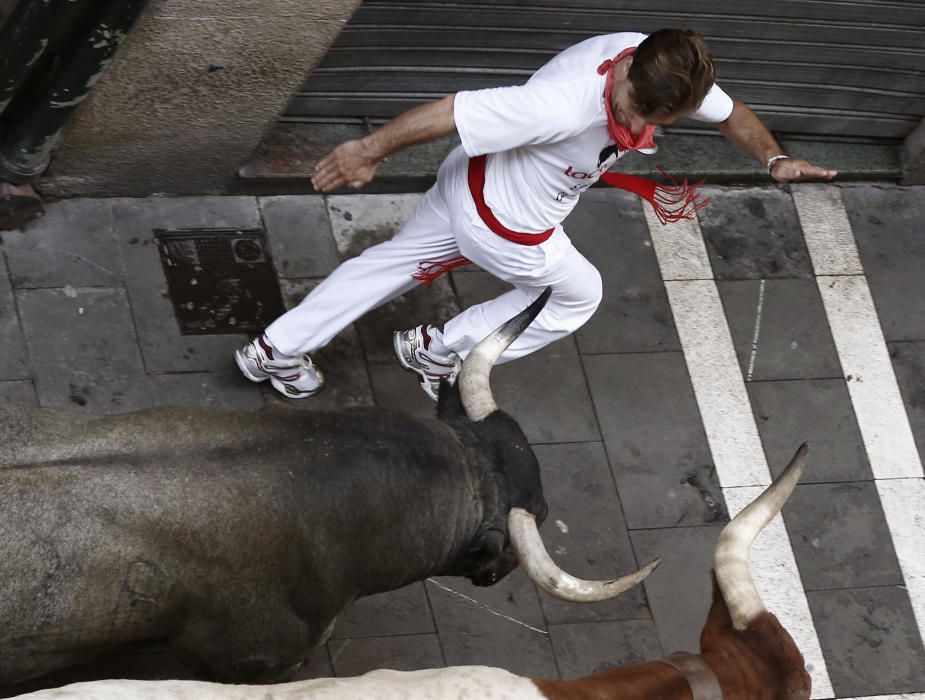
293, 377
411, 347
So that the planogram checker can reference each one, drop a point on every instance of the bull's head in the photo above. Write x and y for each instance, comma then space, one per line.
511, 537
739, 630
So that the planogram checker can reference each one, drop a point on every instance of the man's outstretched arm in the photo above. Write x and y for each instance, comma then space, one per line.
353, 163
744, 129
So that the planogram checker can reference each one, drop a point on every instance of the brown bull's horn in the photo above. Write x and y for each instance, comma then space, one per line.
532, 555
474, 389
731, 556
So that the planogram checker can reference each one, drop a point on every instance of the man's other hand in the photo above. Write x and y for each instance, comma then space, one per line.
347, 165
794, 170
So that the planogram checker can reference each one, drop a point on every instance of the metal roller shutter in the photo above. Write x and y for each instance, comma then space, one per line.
808, 67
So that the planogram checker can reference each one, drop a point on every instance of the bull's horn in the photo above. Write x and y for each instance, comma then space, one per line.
474, 389
533, 557
731, 557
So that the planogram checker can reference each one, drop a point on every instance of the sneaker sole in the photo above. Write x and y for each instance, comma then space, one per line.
290, 393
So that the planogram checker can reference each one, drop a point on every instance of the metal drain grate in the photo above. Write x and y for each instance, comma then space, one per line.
220, 280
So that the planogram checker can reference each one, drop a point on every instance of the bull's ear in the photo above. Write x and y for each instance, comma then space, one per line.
449, 405
487, 545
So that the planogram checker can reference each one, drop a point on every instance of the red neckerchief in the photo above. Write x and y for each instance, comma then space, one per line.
620, 133
671, 202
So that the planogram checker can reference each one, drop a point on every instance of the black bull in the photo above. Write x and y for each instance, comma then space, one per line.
235, 538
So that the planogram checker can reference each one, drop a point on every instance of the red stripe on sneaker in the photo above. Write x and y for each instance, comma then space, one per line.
267, 348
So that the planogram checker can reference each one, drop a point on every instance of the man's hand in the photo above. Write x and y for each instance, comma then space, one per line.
353, 163
793, 170
745, 130
349, 164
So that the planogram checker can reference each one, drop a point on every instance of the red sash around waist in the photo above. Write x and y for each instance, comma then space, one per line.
477, 187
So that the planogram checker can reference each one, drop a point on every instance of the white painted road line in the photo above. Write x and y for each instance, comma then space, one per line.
731, 431
718, 384
903, 502
858, 337
826, 230
869, 375
680, 249
871, 381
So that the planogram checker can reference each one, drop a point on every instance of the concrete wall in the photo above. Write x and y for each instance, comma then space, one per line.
189, 94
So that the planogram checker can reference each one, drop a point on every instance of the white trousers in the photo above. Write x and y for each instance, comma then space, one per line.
445, 225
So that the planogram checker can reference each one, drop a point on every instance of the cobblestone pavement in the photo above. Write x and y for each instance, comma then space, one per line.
782, 315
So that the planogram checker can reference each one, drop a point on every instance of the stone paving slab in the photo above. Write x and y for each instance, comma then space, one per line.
480, 635
870, 641
817, 411
753, 233
14, 362
75, 248
610, 230
909, 365
353, 657
585, 531
405, 611
662, 482
680, 589
592, 647
771, 341
218, 389
360, 222
837, 532
83, 349
18, 394
300, 236
398, 389
888, 225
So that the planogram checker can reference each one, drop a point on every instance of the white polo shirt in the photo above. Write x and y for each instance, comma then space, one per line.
547, 136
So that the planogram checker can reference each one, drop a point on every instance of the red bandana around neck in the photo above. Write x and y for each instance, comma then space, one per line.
671, 202
620, 133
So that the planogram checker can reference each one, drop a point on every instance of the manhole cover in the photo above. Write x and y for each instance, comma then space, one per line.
220, 280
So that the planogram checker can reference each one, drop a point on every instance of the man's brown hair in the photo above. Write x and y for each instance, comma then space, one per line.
671, 73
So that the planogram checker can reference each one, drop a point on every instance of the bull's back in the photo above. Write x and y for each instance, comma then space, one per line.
110, 525
198, 438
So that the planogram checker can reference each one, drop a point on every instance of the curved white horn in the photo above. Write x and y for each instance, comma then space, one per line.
731, 556
533, 557
474, 389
